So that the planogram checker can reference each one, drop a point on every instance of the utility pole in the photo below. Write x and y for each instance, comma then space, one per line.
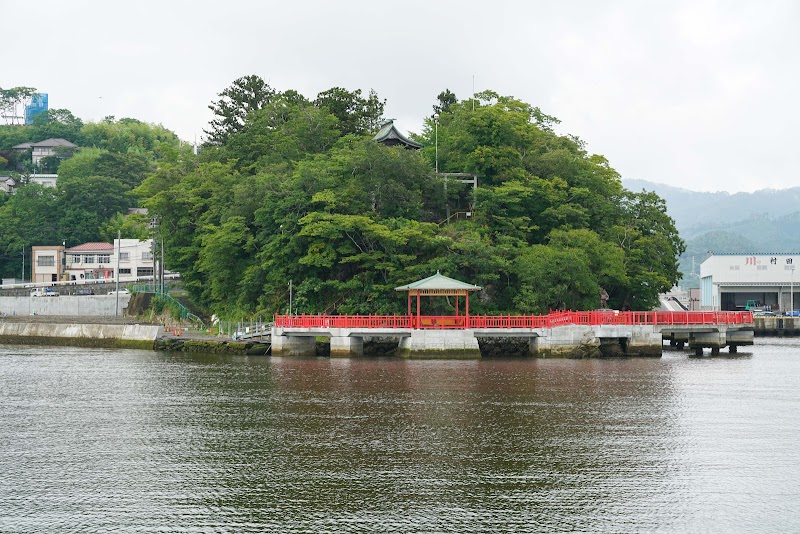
161, 269
23, 263
116, 305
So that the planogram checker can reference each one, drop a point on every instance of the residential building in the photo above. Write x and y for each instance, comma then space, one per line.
47, 263
99, 261
7, 184
45, 180
89, 261
44, 149
135, 258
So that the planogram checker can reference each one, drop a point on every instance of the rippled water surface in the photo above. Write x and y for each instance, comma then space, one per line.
100, 440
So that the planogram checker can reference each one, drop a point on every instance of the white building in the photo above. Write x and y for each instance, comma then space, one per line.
135, 258
98, 261
45, 180
47, 148
89, 261
729, 281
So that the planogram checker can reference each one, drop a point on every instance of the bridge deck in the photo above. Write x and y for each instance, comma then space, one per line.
511, 322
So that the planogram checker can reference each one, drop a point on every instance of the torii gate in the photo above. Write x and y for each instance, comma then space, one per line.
438, 285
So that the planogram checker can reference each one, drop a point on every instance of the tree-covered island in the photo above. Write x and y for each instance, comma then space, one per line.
289, 188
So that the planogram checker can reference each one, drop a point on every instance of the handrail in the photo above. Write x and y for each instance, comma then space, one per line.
553, 319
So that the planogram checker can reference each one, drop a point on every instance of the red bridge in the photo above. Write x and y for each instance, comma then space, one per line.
561, 318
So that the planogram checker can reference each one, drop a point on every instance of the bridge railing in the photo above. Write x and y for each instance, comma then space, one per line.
558, 318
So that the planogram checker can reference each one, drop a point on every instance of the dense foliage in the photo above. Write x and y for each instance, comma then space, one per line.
289, 188
297, 190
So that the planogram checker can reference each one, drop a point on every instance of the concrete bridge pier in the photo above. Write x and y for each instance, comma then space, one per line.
701, 340
739, 337
452, 344
644, 341
296, 346
347, 346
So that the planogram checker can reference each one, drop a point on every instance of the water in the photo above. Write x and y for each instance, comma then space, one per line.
133, 441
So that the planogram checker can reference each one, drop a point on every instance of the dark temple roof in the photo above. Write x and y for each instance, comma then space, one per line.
391, 136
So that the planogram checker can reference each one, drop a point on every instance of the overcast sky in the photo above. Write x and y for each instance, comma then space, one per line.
697, 94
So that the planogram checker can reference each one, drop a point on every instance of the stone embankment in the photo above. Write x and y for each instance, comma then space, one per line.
114, 332
89, 331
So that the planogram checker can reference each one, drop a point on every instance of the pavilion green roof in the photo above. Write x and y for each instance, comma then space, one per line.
439, 282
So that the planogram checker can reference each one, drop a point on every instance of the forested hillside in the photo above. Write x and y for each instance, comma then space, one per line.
293, 188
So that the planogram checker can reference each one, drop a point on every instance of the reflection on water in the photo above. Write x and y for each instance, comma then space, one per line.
96, 440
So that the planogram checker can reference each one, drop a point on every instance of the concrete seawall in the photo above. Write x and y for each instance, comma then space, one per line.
81, 335
777, 326
89, 305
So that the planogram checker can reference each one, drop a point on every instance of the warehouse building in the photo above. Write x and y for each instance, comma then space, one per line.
731, 281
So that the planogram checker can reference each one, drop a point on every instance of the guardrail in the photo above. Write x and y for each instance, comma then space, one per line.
453, 322
85, 282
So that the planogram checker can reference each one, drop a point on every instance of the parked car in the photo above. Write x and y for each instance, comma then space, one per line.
44, 292
793, 313
121, 292
84, 291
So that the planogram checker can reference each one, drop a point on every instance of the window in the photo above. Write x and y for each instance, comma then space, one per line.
144, 271
88, 258
147, 256
74, 258
124, 271
45, 261
124, 256
103, 258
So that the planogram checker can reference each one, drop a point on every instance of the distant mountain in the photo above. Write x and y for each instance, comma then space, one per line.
698, 212
763, 221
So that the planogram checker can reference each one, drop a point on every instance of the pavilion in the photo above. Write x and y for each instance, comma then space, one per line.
440, 285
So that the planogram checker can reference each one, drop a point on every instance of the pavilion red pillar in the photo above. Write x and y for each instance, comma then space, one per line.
466, 309
418, 322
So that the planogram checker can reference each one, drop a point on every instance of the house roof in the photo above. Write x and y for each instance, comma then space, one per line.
91, 247
390, 135
439, 282
54, 142
47, 143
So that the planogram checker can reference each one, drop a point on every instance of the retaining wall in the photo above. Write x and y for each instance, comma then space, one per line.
81, 335
89, 305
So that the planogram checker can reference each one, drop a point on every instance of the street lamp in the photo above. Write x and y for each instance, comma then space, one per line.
791, 291
436, 142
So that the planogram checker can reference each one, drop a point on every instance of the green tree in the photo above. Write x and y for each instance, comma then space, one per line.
356, 114
652, 246
555, 278
133, 226
11, 99
246, 94
126, 135
283, 131
57, 123
446, 99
